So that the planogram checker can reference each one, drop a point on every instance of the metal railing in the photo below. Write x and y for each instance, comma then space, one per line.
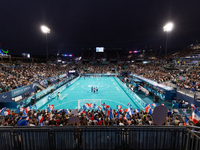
193, 138
99, 137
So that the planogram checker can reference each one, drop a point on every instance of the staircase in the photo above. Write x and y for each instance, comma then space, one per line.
41, 87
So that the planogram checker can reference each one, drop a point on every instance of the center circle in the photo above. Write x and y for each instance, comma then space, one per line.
98, 85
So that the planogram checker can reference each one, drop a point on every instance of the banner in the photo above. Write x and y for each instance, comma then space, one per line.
44, 83
25, 102
8, 96
63, 75
54, 80
19, 91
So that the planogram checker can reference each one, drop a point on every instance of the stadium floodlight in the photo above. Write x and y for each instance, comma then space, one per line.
45, 30
167, 28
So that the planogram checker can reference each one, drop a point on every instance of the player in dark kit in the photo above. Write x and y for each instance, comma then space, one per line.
91, 88
94, 90
97, 90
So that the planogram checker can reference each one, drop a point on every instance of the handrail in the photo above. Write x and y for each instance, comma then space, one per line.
94, 127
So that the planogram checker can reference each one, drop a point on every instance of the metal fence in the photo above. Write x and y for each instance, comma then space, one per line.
96, 137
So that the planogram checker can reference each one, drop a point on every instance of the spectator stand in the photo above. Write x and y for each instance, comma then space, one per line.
162, 91
44, 94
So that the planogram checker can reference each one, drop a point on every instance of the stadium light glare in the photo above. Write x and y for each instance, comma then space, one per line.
168, 27
45, 29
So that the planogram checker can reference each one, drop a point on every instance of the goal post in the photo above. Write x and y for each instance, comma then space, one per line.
82, 102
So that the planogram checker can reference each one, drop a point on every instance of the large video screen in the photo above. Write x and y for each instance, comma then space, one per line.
99, 49
26, 55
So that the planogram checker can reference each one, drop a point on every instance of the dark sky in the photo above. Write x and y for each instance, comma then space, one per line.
89, 23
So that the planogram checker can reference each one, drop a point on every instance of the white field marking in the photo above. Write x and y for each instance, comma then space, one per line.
117, 88
72, 88
113, 83
77, 84
64, 96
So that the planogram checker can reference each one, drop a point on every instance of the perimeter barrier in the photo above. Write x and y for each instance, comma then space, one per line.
99, 137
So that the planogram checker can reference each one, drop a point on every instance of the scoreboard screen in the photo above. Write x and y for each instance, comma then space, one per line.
99, 49
27, 55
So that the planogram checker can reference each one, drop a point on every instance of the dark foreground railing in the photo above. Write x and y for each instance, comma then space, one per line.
95, 137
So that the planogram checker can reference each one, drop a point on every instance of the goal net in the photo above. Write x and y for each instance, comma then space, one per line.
82, 102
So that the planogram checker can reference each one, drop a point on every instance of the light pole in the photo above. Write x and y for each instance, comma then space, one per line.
167, 28
46, 30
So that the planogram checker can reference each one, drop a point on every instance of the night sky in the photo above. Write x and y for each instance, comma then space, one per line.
77, 24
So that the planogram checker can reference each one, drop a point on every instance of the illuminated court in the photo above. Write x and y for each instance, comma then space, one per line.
109, 92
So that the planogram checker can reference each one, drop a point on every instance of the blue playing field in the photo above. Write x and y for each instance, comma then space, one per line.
110, 92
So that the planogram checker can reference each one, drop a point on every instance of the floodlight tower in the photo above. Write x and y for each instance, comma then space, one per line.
45, 30
167, 28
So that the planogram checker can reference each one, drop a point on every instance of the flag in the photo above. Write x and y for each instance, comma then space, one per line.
110, 114
84, 107
193, 107
150, 111
60, 111
105, 106
40, 124
195, 117
127, 110
154, 105
147, 108
20, 109
82, 112
87, 105
118, 114
50, 107
27, 109
131, 112
119, 106
2, 110
99, 109
6, 113
122, 110
66, 111
40, 119
128, 104
137, 110
186, 121
127, 116
92, 105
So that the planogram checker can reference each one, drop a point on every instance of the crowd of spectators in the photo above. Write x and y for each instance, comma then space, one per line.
12, 77
182, 78
15, 76
89, 118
